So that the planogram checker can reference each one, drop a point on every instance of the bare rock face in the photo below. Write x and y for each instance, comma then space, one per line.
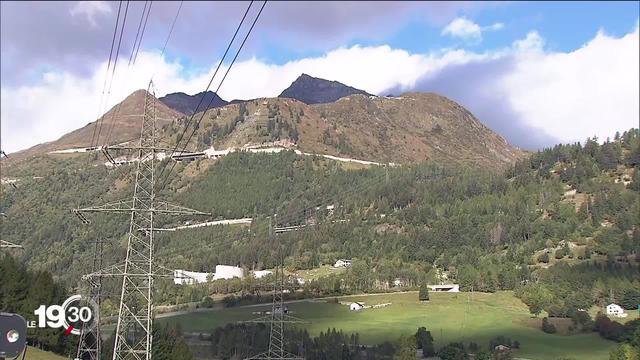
311, 90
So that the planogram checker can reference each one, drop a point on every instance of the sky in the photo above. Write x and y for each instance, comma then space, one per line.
537, 73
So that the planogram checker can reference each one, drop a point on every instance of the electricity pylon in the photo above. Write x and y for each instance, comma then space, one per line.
277, 319
90, 343
135, 317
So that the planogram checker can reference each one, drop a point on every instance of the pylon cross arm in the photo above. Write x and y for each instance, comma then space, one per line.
109, 271
270, 319
116, 206
168, 208
124, 206
144, 148
118, 270
6, 244
274, 355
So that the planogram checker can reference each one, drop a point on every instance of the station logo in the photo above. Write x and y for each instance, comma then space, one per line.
75, 313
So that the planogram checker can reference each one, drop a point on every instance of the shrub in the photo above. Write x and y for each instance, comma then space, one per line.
548, 327
543, 258
207, 302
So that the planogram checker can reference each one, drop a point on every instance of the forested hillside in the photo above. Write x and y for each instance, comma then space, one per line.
570, 204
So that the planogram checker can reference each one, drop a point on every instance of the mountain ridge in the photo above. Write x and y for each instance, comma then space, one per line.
123, 118
312, 90
188, 104
410, 128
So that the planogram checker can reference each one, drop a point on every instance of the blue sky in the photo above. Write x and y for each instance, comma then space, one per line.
537, 73
565, 26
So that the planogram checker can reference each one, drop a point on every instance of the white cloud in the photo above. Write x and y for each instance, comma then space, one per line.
590, 91
495, 27
466, 29
531, 43
91, 9
463, 28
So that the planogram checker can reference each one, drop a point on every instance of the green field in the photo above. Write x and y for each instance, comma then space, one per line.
449, 317
36, 354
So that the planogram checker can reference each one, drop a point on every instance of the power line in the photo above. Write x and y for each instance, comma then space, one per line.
142, 35
217, 90
170, 31
175, 19
206, 89
115, 64
135, 42
106, 75
116, 112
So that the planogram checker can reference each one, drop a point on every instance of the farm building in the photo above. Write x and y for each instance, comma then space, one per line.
356, 306
615, 310
342, 263
444, 288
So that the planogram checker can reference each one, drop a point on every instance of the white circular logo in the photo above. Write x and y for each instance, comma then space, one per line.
74, 314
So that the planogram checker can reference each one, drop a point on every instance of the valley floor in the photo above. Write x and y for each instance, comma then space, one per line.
449, 316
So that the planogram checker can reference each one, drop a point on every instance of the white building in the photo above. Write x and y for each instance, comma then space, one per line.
356, 306
181, 277
212, 153
342, 263
616, 310
228, 272
258, 274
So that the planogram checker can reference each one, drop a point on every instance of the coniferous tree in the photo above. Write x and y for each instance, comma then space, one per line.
423, 293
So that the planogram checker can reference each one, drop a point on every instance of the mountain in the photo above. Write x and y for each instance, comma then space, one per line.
311, 90
570, 204
410, 128
187, 104
122, 121
407, 129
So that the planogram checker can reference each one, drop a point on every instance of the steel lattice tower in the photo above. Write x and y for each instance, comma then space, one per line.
135, 315
90, 343
277, 320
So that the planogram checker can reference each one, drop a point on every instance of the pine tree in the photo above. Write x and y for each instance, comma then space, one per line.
424, 341
407, 349
423, 294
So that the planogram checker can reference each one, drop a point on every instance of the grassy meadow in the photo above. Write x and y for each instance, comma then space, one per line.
449, 317
37, 354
